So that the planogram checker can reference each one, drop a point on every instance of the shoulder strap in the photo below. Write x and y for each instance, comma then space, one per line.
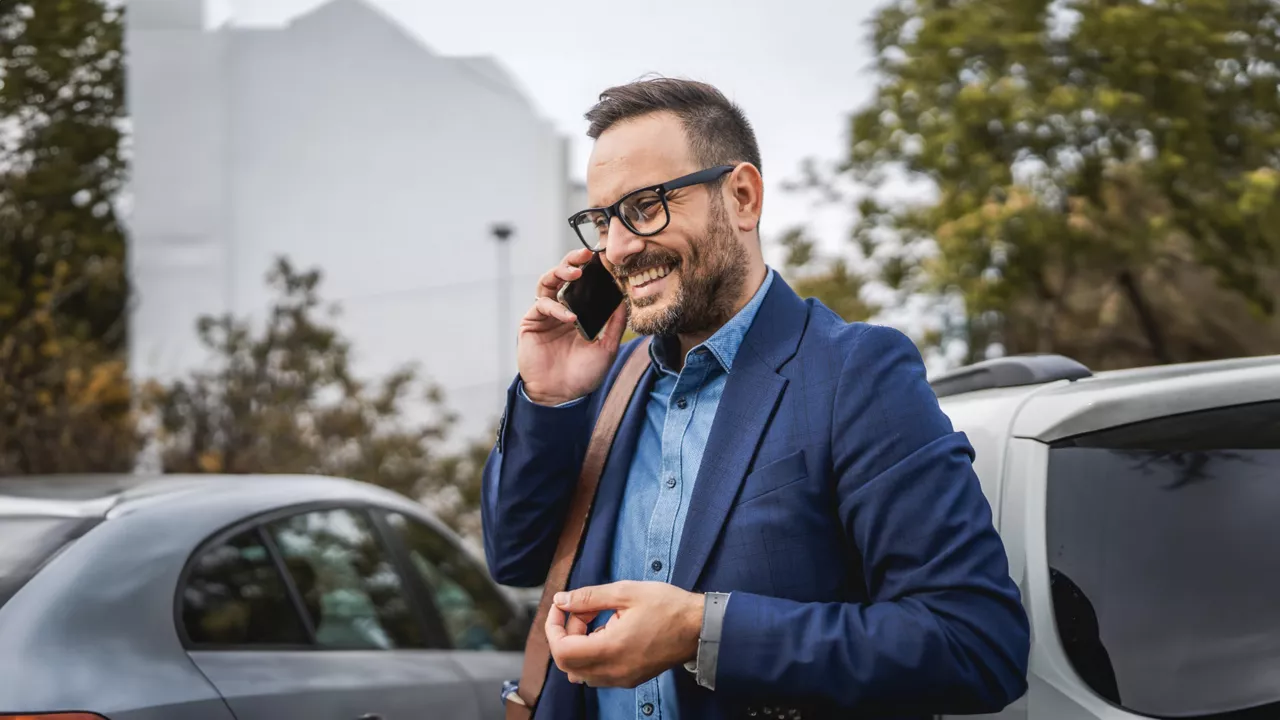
537, 654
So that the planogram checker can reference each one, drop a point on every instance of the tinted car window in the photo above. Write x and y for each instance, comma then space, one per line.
351, 590
27, 542
235, 597
1164, 554
475, 615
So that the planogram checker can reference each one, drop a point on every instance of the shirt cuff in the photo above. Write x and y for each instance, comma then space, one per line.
571, 403
704, 665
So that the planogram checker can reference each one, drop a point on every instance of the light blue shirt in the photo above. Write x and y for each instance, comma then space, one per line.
660, 483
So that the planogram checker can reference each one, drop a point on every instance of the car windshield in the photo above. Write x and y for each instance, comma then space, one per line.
26, 542
1164, 562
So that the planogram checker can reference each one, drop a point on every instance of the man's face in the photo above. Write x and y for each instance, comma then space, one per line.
687, 278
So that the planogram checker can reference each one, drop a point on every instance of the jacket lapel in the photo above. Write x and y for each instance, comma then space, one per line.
750, 398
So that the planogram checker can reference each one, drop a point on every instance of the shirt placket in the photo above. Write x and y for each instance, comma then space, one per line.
660, 538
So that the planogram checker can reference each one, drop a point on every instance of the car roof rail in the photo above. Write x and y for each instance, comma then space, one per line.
1011, 371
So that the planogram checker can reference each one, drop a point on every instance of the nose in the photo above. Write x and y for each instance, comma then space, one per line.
621, 243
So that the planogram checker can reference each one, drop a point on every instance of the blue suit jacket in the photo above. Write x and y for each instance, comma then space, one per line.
834, 501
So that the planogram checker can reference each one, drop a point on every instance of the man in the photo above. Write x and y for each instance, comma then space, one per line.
787, 524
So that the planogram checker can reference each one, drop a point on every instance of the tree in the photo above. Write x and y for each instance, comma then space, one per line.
283, 398
1101, 175
63, 384
829, 280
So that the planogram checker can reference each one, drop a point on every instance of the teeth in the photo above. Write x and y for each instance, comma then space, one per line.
649, 275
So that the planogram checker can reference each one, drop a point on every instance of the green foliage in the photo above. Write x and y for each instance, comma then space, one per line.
1102, 172
283, 398
829, 280
65, 405
63, 294
61, 169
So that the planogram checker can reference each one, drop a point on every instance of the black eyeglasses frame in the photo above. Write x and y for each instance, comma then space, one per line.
612, 211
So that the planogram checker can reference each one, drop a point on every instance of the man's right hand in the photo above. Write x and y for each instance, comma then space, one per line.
556, 363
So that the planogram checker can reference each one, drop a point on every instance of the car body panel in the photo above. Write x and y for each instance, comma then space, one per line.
1012, 430
487, 671
340, 684
102, 612
986, 417
1127, 396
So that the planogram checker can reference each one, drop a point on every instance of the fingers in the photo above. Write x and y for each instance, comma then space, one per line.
555, 628
585, 654
594, 599
550, 282
579, 624
585, 657
547, 312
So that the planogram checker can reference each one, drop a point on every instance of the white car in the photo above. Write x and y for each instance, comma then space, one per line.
1141, 513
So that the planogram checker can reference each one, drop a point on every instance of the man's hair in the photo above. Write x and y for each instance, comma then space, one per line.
717, 129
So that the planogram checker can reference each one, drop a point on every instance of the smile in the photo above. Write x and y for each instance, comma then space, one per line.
644, 277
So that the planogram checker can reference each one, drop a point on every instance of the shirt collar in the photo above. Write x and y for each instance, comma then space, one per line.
724, 343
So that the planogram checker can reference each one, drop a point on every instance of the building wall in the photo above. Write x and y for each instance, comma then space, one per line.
343, 143
178, 220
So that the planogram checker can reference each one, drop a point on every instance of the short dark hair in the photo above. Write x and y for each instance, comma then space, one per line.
718, 130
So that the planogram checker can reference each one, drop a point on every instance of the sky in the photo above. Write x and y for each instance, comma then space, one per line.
798, 68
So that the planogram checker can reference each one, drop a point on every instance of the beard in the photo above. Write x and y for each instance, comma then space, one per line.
710, 283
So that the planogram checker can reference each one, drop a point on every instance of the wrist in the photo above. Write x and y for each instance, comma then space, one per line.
691, 622
546, 399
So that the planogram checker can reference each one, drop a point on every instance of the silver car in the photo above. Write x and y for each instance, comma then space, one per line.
244, 598
1141, 513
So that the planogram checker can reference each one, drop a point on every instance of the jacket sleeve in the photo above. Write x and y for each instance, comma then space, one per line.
529, 479
944, 630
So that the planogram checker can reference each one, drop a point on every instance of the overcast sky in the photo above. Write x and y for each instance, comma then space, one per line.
798, 67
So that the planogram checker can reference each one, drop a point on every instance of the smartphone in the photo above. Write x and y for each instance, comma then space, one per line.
592, 297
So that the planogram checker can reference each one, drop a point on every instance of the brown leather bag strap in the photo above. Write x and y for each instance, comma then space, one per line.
537, 654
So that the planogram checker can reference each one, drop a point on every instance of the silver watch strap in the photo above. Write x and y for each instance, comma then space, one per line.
704, 665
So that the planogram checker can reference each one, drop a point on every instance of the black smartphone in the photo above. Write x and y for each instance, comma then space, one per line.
592, 297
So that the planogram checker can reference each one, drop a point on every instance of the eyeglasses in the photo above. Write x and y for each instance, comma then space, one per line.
643, 211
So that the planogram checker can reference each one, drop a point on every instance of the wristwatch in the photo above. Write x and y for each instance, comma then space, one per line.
703, 666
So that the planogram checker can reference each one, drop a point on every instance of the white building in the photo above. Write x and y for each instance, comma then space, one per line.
340, 141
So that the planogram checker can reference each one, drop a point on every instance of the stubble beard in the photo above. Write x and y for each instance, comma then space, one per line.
711, 281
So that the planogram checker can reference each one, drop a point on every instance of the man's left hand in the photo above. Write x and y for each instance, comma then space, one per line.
654, 627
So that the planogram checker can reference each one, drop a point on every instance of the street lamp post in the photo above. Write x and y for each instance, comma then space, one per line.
502, 232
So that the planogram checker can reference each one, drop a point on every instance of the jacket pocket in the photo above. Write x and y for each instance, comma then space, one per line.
774, 476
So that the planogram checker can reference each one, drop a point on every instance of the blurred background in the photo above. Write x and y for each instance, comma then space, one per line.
296, 236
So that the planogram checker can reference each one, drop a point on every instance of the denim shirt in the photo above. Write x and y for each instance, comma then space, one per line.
660, 483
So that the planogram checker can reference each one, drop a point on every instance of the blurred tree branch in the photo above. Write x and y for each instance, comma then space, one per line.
283, 398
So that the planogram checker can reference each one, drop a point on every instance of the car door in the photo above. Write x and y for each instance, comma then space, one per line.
486, 630
305, 615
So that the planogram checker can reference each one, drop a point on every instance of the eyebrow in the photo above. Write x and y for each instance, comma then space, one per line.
640, 187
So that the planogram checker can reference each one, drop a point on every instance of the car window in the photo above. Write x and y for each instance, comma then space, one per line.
346, 580
234, 596
27, 542
475, 615
1163, 559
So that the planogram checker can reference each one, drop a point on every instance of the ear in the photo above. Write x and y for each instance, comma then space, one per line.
744, 195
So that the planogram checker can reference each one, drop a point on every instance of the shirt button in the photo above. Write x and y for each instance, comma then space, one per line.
656, 565
671, 481
647, 708
682, 403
